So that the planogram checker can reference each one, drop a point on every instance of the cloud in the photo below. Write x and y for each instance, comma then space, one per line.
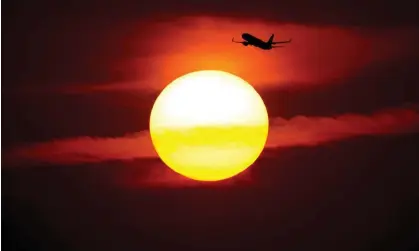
299, 130
84, 150
158, 175
302, 130
106, 57
317, 55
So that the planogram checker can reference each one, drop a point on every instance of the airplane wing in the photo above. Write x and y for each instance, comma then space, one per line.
282, 42
234, 41
277, 46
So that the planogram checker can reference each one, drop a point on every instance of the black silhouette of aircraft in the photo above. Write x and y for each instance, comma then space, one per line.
254, 41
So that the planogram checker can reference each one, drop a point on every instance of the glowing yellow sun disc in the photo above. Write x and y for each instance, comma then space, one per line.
209, 125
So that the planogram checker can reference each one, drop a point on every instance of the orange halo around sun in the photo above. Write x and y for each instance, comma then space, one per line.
209, 125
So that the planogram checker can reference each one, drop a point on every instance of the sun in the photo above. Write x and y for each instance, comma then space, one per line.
209, 125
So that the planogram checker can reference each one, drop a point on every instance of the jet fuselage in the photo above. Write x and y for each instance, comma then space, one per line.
252, 40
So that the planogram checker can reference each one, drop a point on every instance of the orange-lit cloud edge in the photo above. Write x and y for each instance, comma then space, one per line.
297, 131
317, 55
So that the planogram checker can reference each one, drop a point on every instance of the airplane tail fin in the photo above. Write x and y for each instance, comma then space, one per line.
271, 39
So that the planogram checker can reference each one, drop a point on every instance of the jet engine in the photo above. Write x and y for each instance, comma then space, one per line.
245, 44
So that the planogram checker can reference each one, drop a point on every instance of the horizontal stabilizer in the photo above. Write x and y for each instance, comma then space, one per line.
283, 42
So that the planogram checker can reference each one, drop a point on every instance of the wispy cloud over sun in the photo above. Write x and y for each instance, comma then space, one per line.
297, 131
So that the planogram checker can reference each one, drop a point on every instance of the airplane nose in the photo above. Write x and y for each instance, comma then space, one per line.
244, 35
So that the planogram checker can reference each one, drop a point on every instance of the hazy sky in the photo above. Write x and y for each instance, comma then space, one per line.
93, 70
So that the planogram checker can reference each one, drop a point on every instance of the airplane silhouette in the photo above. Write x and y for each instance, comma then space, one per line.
254, 41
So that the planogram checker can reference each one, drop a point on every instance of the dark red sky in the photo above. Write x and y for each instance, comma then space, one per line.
79, 80
88, 44
96, 61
